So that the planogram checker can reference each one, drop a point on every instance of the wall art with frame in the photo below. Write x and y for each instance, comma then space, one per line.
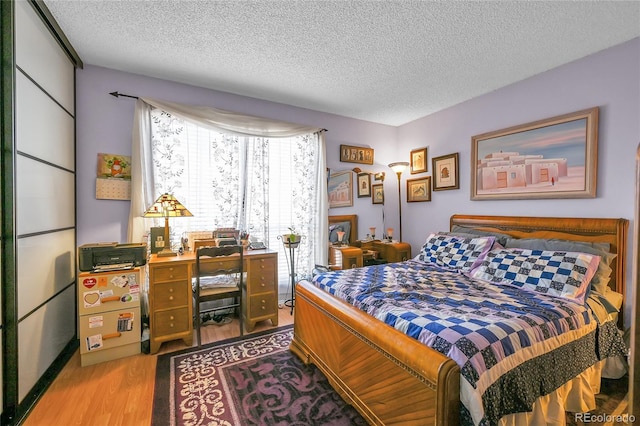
377, 193
356, 154
340, 189
419, 189
445, 172
418, 159
364, 185
552, 158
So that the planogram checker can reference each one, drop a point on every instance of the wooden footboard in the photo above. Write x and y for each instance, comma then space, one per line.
387, 376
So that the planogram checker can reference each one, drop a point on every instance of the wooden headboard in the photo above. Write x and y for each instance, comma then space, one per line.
603, 230
351, 218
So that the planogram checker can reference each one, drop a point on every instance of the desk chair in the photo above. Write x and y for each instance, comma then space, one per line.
218, 275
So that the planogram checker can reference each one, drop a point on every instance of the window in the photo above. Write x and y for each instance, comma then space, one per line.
259, 185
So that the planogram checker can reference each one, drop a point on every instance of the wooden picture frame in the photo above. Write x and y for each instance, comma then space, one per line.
356, 154
364, 185
445, 171
377, 193
418, 161
419, 190
340, 189
552, 158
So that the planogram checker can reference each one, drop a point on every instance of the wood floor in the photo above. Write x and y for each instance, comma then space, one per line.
118, 392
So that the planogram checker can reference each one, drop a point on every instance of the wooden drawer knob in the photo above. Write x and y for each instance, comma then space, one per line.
171, 290
170, 297
171, 317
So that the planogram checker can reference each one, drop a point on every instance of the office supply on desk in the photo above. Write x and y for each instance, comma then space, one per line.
226, 236
111, 256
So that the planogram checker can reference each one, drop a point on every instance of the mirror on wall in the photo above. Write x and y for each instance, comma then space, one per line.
634, 362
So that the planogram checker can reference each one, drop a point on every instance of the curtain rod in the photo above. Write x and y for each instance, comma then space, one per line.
118, 94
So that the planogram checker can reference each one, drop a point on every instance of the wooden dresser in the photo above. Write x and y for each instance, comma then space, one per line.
171, 301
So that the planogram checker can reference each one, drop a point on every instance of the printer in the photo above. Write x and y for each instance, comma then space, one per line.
100, 257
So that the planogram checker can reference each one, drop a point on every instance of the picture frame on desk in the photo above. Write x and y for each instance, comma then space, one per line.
156, 239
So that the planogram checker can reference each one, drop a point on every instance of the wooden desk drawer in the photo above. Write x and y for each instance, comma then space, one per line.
262, 285
171, 322
170, 273
171, 294
262, 304
264, 267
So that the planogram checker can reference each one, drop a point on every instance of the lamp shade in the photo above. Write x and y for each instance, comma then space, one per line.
399, 166
167, 206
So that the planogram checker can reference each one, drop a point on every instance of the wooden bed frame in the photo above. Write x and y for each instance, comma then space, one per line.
391, 378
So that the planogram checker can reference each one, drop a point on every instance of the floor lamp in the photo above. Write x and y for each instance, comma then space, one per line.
399, 167
166, 206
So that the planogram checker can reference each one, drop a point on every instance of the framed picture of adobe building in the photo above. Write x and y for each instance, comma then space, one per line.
551, 158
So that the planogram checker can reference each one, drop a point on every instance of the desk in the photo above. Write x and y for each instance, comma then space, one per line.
171, 301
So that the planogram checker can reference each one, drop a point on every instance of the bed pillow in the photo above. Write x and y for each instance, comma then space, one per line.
340, 226
500, 238
561, 274
600, 280
454, 251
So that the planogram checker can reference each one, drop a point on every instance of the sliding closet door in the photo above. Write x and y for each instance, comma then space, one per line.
44, 259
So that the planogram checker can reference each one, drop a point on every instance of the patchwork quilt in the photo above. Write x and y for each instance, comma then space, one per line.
512, 345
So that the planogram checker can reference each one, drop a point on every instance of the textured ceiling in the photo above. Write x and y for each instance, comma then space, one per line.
388, 62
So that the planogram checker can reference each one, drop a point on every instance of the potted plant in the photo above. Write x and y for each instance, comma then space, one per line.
292, 239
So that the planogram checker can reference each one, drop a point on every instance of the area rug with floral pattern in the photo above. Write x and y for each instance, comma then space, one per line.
254, 380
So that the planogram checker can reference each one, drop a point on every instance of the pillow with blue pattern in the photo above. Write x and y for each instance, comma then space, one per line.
454, 251
561, 274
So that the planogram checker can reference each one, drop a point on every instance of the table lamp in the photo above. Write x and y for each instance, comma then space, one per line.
166, 206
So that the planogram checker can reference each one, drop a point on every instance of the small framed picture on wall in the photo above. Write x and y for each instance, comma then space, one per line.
364, 185
419, 189
445, 172
377, 194
419, 161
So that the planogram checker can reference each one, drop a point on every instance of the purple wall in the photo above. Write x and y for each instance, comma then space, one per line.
609, 79
104, 125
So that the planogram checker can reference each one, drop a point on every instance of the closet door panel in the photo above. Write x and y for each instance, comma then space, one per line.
41, 338
43, 129
46, 265
45, 197
39, 55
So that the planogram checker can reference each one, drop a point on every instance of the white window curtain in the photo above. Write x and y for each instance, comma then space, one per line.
232, 170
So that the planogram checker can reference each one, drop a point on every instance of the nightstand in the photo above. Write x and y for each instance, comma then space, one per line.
345, 257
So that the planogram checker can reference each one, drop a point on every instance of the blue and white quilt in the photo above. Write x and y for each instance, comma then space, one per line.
504, 338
